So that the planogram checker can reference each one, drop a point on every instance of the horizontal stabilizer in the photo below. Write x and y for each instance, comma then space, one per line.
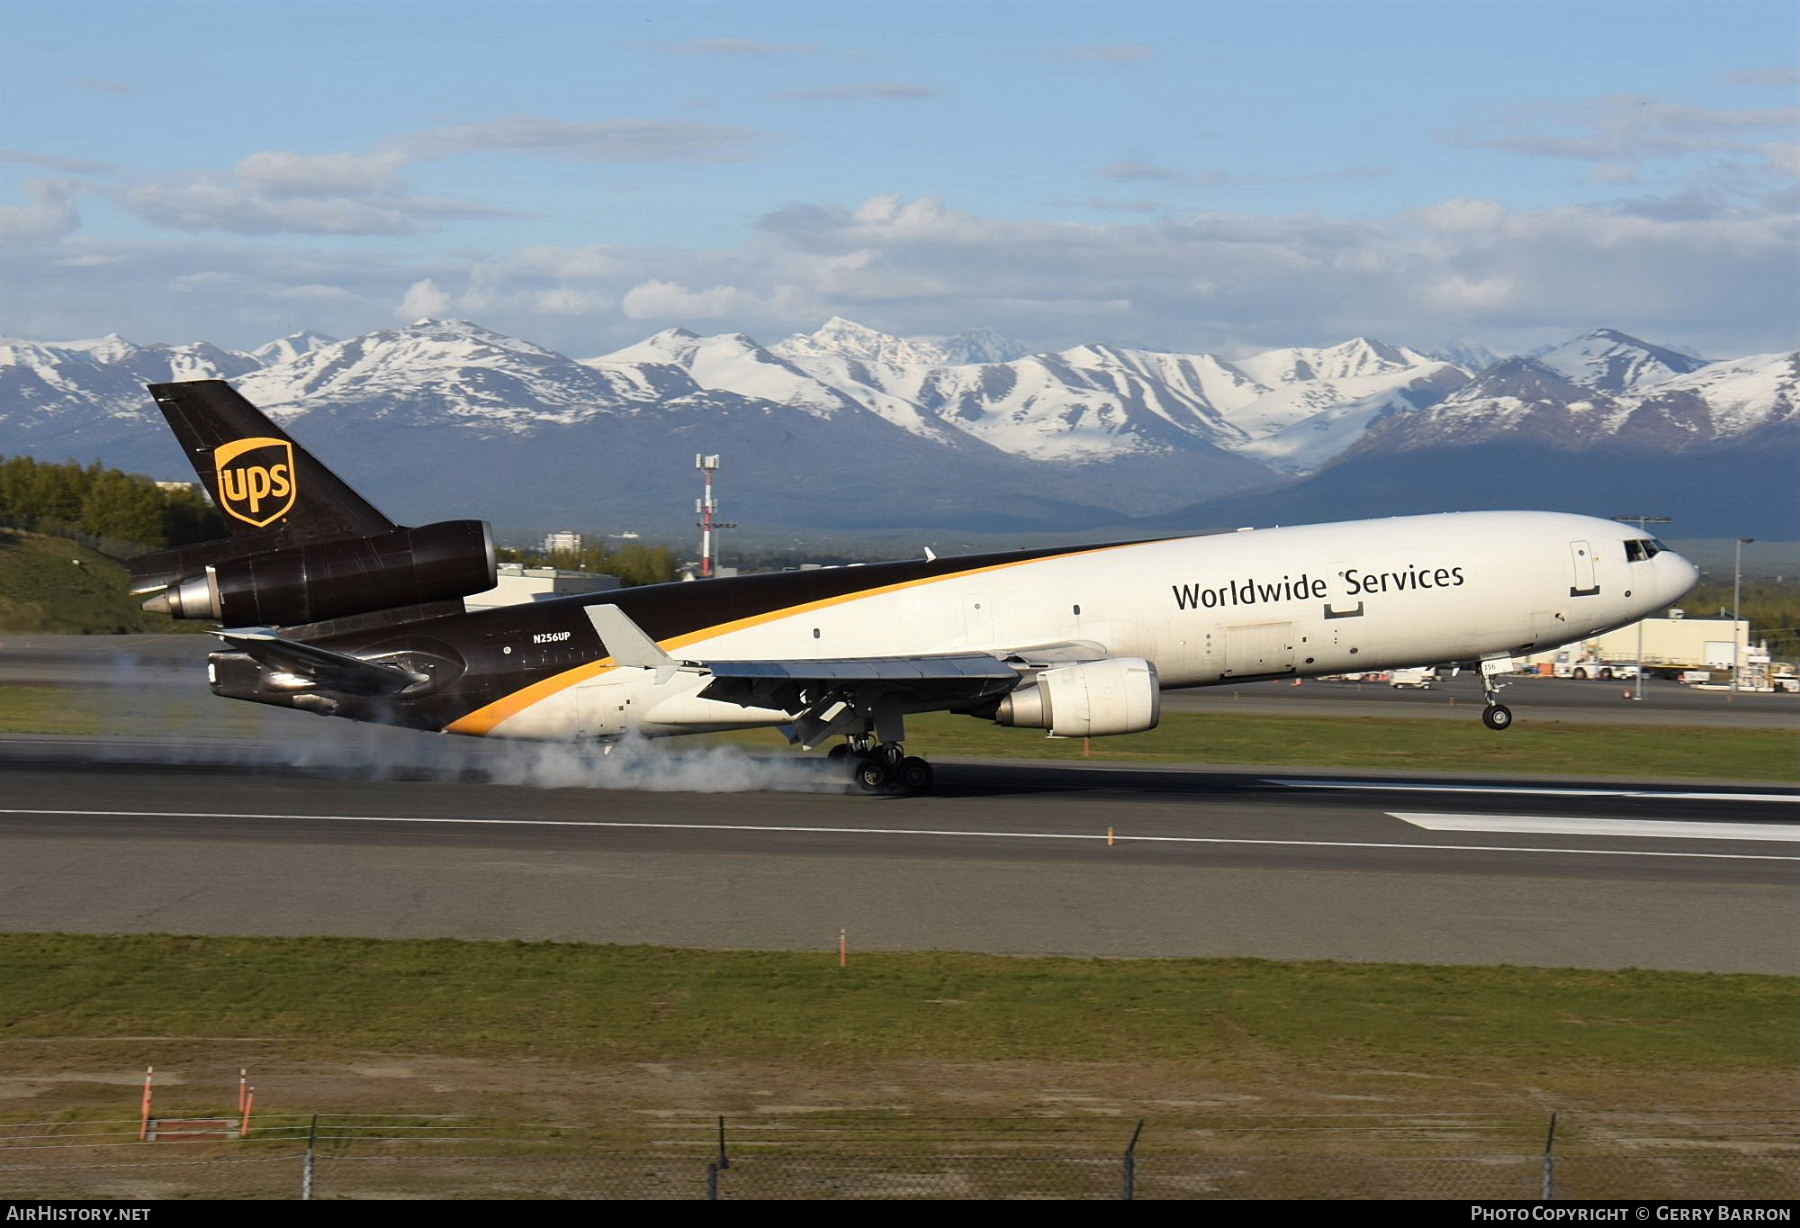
322, 668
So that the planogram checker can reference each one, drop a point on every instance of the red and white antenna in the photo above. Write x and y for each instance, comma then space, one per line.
708, 509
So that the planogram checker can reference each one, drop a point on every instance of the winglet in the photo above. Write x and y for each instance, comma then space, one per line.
629, 644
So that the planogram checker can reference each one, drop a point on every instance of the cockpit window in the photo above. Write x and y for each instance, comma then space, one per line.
1637, 549
1652, 548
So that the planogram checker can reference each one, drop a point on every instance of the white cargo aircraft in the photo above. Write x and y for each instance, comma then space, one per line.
1077, 640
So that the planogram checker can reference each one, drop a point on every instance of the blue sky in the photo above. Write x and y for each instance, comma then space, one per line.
1190, 176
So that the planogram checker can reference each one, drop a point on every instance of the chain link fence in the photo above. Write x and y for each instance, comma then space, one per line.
1460, 1158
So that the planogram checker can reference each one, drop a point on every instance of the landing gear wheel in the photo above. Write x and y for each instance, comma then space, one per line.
871, 775
838, 753
915, 775
1497, 717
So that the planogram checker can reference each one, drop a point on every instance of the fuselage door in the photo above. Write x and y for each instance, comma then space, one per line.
1261, 648
1581, 555
599, 709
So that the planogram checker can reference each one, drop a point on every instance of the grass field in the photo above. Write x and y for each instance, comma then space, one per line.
1538, 748
1541, 748
54, 584
892, 1057
46, 709
648, 1004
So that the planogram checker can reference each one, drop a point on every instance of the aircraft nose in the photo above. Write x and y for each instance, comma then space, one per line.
1682, 574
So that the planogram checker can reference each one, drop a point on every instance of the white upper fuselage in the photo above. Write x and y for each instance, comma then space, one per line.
1301, 601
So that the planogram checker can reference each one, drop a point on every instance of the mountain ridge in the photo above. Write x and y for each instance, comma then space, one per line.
851, 425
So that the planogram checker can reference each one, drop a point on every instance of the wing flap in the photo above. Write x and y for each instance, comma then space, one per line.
799, 686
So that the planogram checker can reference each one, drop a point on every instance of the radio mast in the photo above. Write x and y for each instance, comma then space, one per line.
707, 509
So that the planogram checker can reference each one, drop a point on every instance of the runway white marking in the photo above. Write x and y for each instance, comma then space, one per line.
1530, 825
1122, 838
1373, 786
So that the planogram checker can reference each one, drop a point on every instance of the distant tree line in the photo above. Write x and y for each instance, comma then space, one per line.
633, 563
117, 512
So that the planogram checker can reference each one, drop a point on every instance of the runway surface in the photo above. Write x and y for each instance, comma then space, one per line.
1011, 857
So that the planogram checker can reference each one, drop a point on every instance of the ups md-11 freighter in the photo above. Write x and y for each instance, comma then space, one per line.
330, 607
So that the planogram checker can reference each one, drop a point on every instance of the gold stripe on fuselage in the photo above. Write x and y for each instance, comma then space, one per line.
483, 720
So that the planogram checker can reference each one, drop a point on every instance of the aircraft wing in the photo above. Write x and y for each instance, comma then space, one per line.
824, 695
310, 665
786, 685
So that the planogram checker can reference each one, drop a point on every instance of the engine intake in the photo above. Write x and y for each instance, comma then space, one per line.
306, 584
1090, 700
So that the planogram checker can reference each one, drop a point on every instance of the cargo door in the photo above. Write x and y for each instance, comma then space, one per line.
1260, 648
600, 709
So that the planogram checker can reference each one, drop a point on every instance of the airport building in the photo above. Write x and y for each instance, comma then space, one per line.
520, 584
1673, 643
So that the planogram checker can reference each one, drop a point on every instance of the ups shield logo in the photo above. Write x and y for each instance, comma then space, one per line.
256, 479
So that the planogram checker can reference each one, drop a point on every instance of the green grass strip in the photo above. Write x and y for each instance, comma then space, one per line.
1533, 747
617, 1003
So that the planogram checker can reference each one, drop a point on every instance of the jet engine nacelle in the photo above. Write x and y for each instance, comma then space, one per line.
1117, 695
311, 583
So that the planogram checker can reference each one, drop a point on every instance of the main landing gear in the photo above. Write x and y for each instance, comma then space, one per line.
882, 767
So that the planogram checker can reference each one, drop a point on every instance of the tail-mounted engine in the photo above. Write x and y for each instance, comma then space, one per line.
332, 579
1117, 695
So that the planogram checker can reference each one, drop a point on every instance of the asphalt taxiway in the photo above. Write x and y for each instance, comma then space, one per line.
1006, 857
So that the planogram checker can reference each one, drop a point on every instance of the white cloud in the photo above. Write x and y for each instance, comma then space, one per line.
288, 193
68, 166
597, 140
424, 298
285, 174
1136, 170
1783, 156
1788, 76
569, 301
50, 214
1688, 271
1462, 215
1623, 130
666, 300
316, 293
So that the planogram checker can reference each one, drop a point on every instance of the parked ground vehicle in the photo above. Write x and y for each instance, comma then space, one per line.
1569, 664
1415, 679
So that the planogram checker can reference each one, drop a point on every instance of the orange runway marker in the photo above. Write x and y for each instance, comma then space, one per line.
144, 1124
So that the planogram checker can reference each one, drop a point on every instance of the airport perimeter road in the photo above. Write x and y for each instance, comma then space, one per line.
1008, 858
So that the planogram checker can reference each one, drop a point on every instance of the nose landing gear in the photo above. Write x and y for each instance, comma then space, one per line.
1496, 716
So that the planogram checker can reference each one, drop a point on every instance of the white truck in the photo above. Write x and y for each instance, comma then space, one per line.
1572, 663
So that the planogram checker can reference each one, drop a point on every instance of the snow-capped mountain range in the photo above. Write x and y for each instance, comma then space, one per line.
864, 427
